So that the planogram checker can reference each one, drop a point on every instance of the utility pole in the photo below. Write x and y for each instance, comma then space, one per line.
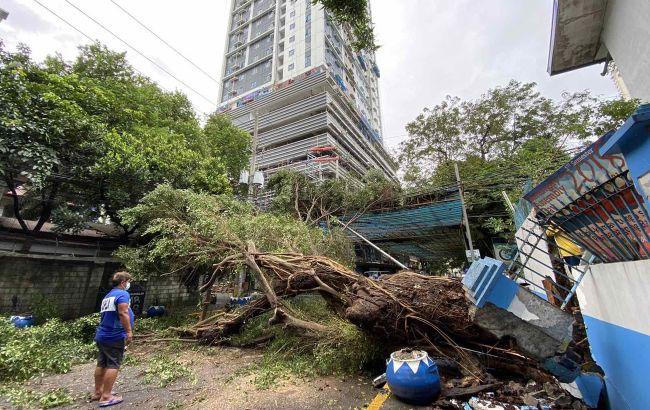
253, 163
465, 220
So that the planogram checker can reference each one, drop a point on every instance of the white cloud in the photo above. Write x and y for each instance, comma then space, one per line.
430, 48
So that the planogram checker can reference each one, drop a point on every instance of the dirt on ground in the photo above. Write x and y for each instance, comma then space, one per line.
221, 382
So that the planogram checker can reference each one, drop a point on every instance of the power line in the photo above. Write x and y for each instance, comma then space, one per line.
164, 42
141, 54
65, 21
79, 31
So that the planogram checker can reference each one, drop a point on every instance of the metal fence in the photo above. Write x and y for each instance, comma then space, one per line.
538, 265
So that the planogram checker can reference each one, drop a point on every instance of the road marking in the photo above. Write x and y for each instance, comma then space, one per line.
379, 399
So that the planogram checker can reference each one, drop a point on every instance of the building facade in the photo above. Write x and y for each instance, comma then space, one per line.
587, 32
290, 72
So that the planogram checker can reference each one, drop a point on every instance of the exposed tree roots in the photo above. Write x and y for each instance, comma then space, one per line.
405, 309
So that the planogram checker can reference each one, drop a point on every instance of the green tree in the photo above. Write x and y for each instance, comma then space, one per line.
42, 133
504, 138
92, 137
221, 139
316, 202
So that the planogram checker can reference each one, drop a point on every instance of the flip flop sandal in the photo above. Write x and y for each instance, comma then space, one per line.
111, 402
92, 399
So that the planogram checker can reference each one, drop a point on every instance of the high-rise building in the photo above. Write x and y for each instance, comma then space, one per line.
290, 69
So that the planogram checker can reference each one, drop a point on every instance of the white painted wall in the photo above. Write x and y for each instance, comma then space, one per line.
627, 37
617, 293
539, 252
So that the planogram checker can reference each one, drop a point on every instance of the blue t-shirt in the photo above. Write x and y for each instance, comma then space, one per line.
110, 328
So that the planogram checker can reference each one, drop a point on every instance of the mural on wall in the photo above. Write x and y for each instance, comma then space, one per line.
594, 201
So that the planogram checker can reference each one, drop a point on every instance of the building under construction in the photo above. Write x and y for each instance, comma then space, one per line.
291, 79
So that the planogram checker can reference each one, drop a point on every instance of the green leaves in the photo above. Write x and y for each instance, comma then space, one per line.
316, 202
355, 14
183, 230
50, 348
506, 137
95, 134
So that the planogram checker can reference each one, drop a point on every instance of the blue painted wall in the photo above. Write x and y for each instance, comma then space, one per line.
625, 356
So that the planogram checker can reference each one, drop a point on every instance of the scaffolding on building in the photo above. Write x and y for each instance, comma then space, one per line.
320, 160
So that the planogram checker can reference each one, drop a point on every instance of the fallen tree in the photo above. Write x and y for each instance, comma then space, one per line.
184, 231
404, 309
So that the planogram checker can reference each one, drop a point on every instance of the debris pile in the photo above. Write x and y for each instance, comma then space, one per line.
496, 394
404, 309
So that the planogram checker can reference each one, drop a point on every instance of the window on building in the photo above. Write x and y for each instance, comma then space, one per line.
292, 52
292, 39
290, 67
307, 61
254, 84
292, 14
308, 18
292, 26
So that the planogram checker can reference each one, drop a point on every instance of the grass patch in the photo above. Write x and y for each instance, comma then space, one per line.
164, 370
23, 398
344, 350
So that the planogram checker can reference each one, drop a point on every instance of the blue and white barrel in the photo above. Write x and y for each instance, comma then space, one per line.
22, 322
413, 377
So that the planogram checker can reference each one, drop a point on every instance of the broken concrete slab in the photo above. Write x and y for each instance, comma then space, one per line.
505, 309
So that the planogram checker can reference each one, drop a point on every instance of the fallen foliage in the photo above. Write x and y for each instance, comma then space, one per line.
50, 348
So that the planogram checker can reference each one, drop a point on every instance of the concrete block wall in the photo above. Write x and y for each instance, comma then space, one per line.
615, 305
75, 285
69, 283
170, 291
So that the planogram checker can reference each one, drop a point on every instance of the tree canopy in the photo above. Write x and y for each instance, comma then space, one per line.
186, 231
506, 137
88, 138
317, 202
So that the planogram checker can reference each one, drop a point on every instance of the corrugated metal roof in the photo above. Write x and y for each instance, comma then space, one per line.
427, 231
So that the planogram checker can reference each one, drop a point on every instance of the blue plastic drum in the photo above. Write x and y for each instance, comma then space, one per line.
22, 322
155, 311
413, 377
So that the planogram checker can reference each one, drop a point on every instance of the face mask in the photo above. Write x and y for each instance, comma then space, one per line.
128, 285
